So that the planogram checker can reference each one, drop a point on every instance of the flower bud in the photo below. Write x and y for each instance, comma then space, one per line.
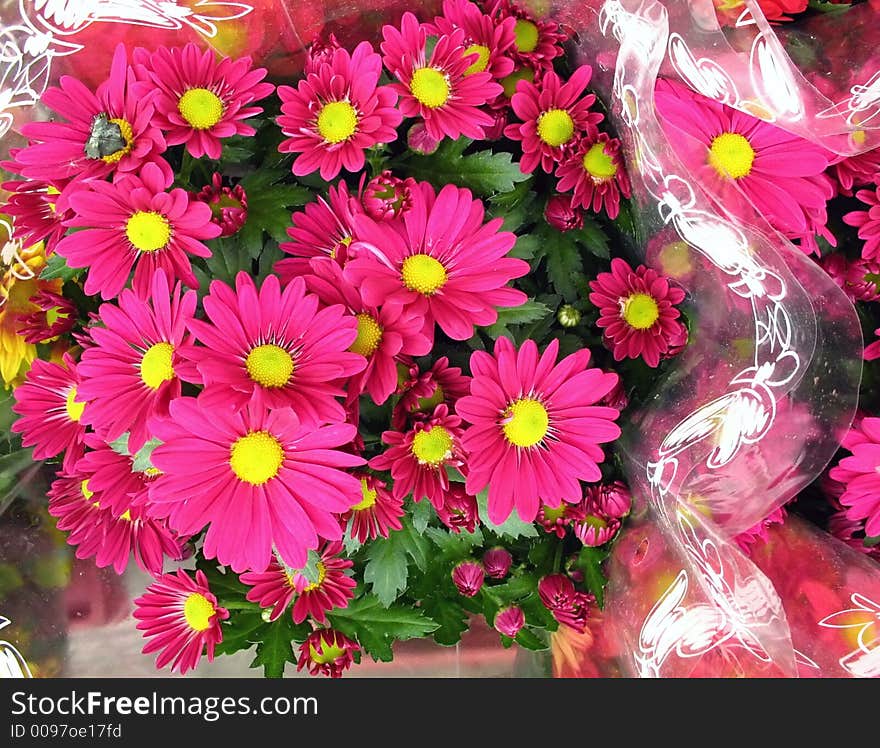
468, 577
509, 621
568, 316
562, 215
496, 562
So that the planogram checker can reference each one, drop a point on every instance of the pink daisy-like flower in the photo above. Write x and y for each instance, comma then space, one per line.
133, 369
286, 482
134, 223
868, 221
51, 411
229, 207
181, 618
595, 529
383, 332
418, 459
595, 174
337, 112
445, 264
327, 652
555, 117
32, 205
376, 514
637, 312
320, 52
509, 621
322, 229
744, 159
860, 476
484, 36
872, 350
422, 391
200, 100
278, 586
275, 346
110, 130
568, 606
459, 510
536, 42
496, 562
420, 141
440, 90
758, 532
858, 278
536, 428
857, 171
56, 316
111, 475
111, 540
557, 519
386, 197
468, 578
609, 499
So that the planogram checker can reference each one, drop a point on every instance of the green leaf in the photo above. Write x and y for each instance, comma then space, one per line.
565, 268
529, 640
386, 569
228, 257
530, 311
589, 561
269, 202
310, 570
593, 238
240, 631
376, 627
512, 527
870, 542
416, 545
141, 461
422, 514
455, 545
451, 619
504, 202
56, 267
275, 648
484, 172
120, 444
527, 247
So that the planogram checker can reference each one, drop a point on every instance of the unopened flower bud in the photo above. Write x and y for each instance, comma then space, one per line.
568, 316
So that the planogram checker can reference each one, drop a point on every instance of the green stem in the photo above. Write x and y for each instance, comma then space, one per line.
557, 556
238, 605
186, 168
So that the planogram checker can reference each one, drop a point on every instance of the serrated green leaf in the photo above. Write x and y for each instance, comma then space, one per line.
589, 561
512, 527
228, 257
565, 268
451, 619
422, 514
376, 627
506, 201
530, 311
484, 172
120, 444
593, 238
527, 247
240, 631
56, 267
275, 648
416, 546
529, 640
310, 571
269, 203
455, 545
386, 569
141, 461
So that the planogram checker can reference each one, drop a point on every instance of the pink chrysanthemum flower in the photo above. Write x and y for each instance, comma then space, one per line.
868, 222
56, 315
509, 621
278, 586
110, 130
568, 606
609, 499
496, 562
134, 223
555, 117
536, 428
275, 346
758, 532
200, 99
637, 312
376, 514
562, 214
850, 531
857, 171
111, 475
418, 459
536, 42
383, 332
858, 278
489, 39
181, 617
448, 266
556, 520
287, 482
594, 529
51, 411
322, 229
32, 205
229, 207
133, 369
459, 510
320, 52
744, 159
422, 391
440, 90
595, 174
468, 577
337, 112
872, 350
860, 476
387, 197
111, 540
327, 652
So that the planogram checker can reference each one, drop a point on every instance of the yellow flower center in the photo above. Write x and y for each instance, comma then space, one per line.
599, 164
269, 365
423, 273
429, 403
256, 458
508, 83
201, 108
555, 127
639, 311
73, 407
156, 366
198, 612
369, 335
731, 155
526, 35
430, 87
482, 61
369, 497
322, 575
148, 231
526, 422
553, 514
126, 515
337, 121
330, 652
432, 447
86, 492
127, 135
